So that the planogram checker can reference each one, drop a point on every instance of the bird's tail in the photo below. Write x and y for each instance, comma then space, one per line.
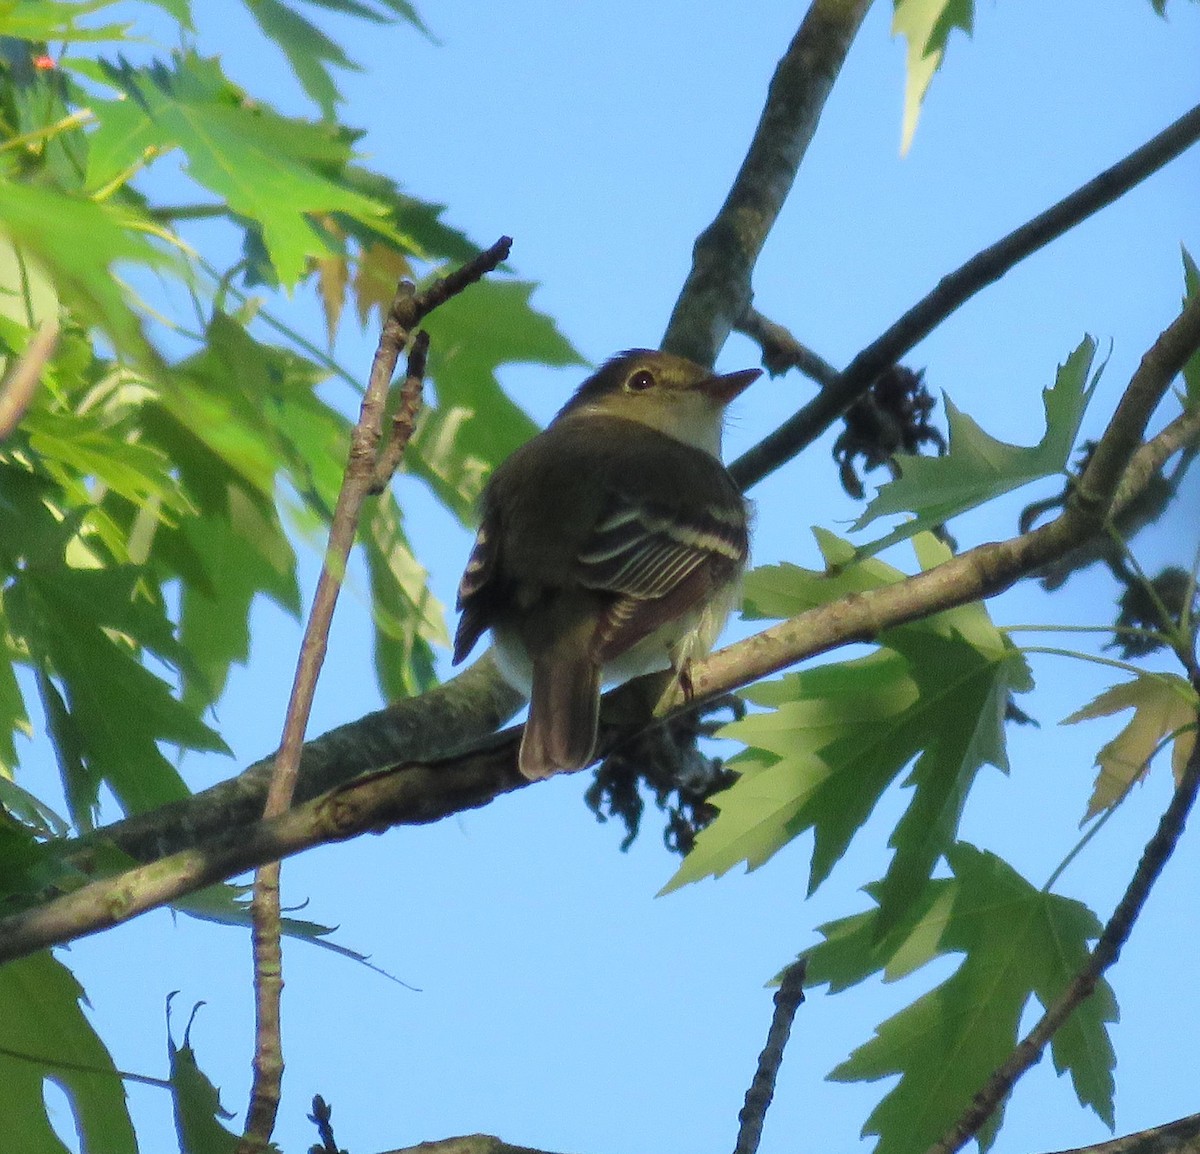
564, 707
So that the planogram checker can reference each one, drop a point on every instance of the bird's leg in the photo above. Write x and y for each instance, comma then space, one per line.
683, 671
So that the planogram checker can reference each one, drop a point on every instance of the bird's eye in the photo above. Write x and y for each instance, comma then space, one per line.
642, 380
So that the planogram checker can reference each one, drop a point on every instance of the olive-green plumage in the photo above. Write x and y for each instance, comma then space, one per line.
611, 545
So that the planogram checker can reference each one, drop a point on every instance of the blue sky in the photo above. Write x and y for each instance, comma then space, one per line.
562, 1005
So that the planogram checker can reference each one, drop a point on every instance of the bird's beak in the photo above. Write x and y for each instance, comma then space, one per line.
724, 388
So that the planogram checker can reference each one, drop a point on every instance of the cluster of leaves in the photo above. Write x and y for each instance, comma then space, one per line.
154, 489
932, 698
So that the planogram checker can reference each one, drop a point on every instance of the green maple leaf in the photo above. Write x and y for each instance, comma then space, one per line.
40, 20
978, 467
408, 618
46, 1035
926, 25
78, 246
308, 50
106, 727
277, 172
1017, 942
838, 734
196, 1101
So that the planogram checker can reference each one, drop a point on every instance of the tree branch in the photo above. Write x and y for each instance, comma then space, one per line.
782, 351
983, 269
788, 999
421, 792
1179, 1137
717, 291
367, 471
18, 387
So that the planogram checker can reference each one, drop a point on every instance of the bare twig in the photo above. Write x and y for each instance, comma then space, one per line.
405, 415
1107, 950
364, 469
788, 999
18, 388
322, 1118
717, 291
983, 269
782, 351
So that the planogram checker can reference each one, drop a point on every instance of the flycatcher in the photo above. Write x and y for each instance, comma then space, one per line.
611, 545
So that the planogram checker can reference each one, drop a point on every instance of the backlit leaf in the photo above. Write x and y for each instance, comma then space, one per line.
978, 467
270, 169
837, 735
46, 1035
1017, 942
926, 25
474, 424
80, 244
1191, 370
408, 618
1163, 704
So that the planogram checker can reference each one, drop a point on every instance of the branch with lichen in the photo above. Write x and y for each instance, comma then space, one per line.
422, 791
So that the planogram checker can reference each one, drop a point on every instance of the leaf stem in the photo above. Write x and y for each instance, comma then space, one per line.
1111, 662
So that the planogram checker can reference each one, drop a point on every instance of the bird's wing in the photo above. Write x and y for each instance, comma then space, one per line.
659, 564
475, 589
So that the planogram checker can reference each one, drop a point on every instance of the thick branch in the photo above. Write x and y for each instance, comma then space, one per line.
450, 717
983, 269
717, 291
421, 793
1179, 1137
468, 1144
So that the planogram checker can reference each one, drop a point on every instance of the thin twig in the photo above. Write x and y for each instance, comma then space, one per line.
1107, 950
405, 415
983, 269
363, 468
717, 290
418, 792
782, 351
322, 1118
788, 999
18, 388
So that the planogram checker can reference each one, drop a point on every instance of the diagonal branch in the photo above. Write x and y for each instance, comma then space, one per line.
1179, 1137
788, 999
953, 290
422, 792
19, 386
717, 291
451, 716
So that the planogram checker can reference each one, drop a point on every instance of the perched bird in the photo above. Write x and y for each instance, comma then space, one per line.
611, 545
